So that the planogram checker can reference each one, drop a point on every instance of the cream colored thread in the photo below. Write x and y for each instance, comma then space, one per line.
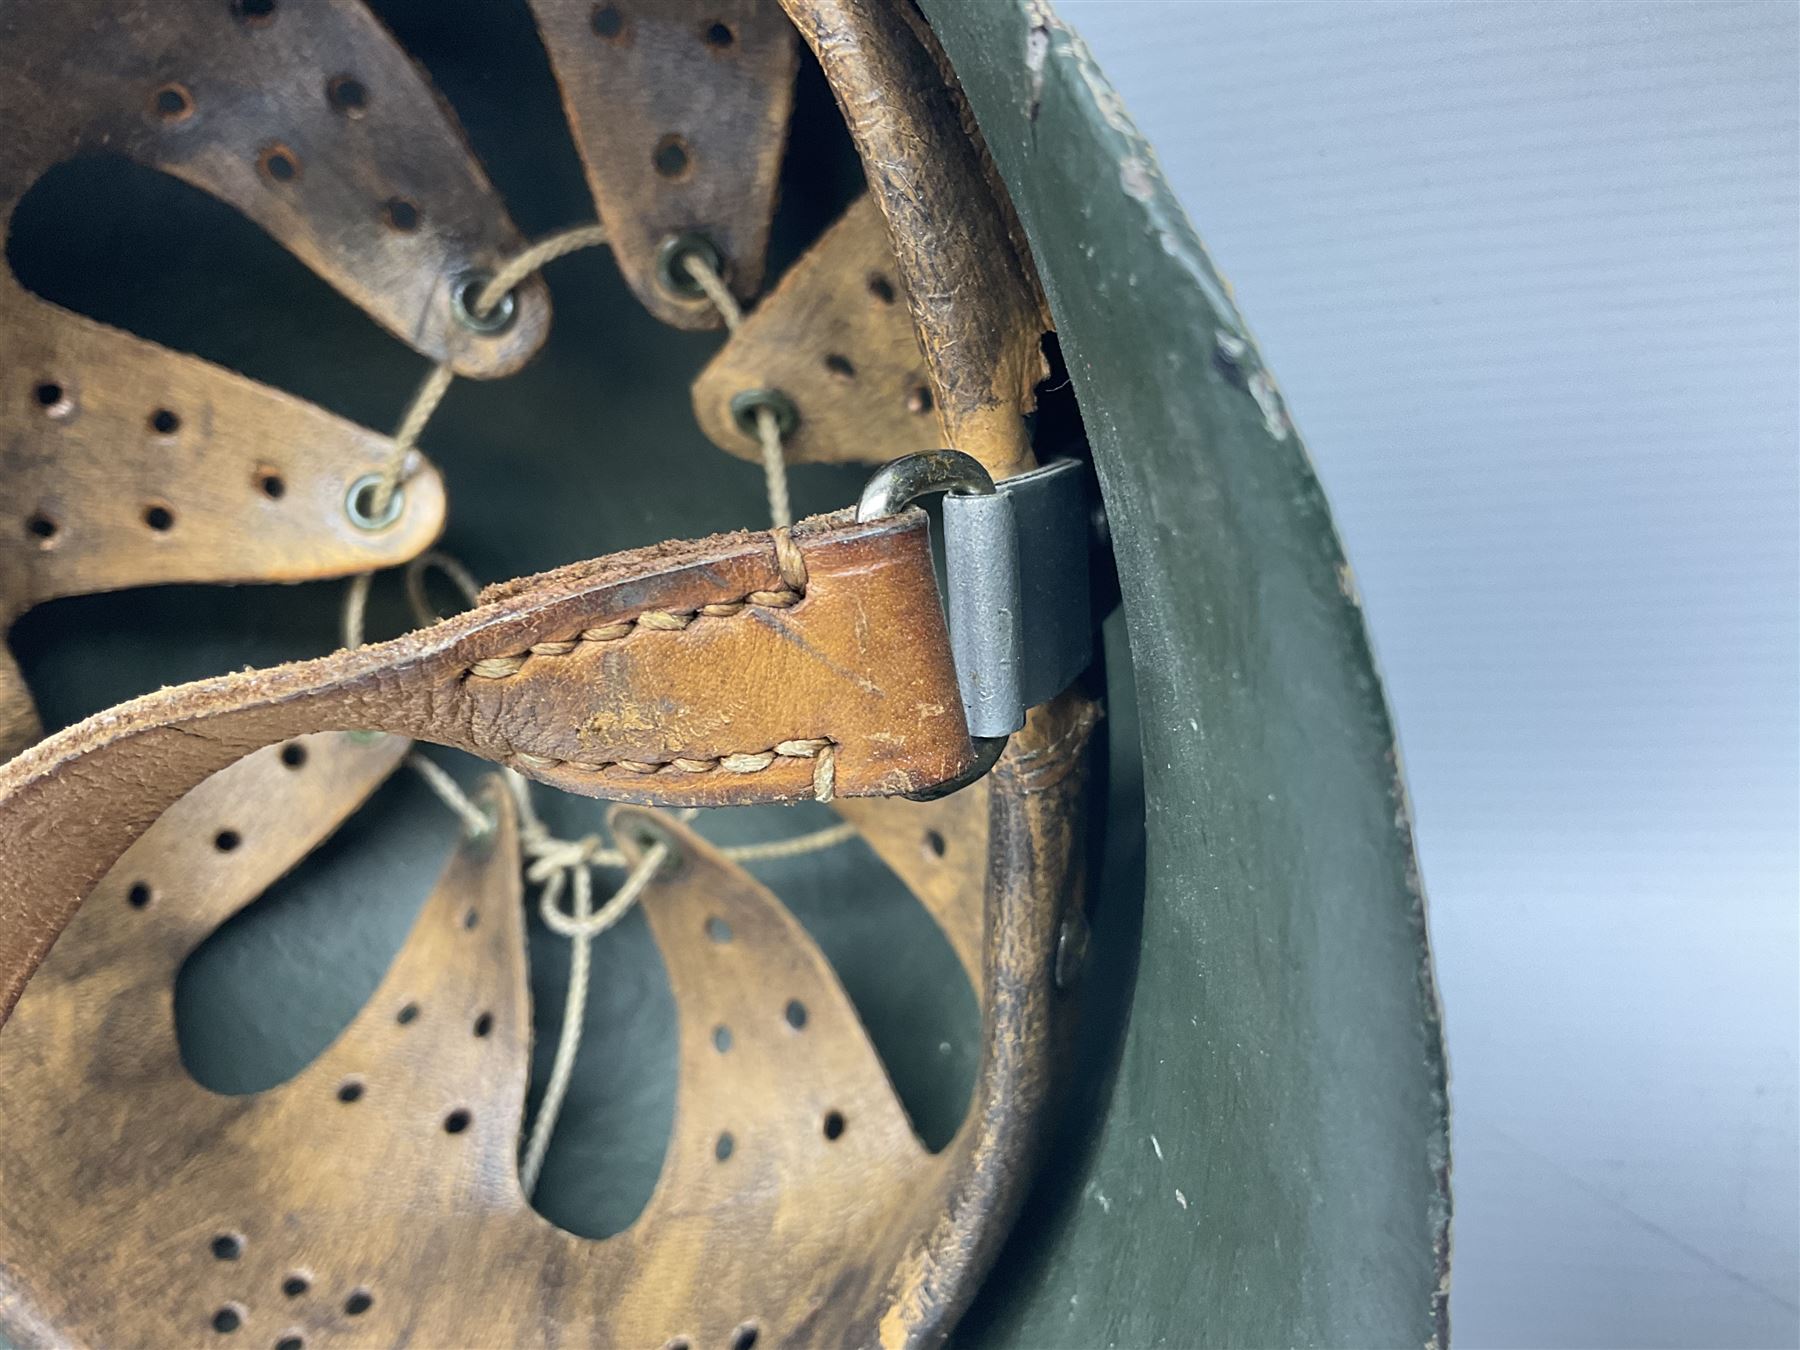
566, 864
768, 427
789, 562
581, 931
476, 822
432, 389
557, 864
821, 751
356, 604
434, 386
460, 577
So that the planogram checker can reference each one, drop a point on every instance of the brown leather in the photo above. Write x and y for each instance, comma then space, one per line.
794, 1200
220, 98
836, 339
967, 279
680, 110
929, 846
252, 487
809, 1239
123, 463
699, 674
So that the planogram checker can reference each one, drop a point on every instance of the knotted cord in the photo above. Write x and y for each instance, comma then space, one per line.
768, 426
559, 865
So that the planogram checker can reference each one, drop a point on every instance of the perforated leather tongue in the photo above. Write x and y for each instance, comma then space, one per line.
680, 111
374, 1197
128, 464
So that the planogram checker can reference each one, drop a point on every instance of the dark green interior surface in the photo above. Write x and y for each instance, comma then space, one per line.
1271, 1165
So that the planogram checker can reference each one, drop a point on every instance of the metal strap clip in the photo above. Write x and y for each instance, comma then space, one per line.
1016, 585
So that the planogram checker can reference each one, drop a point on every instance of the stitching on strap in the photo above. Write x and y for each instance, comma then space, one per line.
788, 560
821, 750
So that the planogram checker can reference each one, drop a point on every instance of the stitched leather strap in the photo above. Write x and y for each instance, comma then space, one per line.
719, 672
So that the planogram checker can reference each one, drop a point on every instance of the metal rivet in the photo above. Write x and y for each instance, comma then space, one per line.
1071, 950
466, 290
360, 498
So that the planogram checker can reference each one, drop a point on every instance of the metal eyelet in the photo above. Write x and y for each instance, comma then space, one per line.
670, 272
745, 406
466, 290
358, 500
646, 832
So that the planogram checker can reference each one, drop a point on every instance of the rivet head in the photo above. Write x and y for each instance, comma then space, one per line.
1071, 950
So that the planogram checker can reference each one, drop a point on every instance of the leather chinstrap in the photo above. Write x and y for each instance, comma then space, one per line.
688, 674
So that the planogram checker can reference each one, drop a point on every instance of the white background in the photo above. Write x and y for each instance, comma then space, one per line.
1527, 275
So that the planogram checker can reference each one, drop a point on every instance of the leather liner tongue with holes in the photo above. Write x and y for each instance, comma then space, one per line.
126, 464
375, 1197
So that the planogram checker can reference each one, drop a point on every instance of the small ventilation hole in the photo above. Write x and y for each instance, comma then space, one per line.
408, 1013
471, 919
484, 1024
349, 1091
227, 1319
796, 1014
253, 11
51, 397
608, 22
295, 1342
347, 95
41, 528
172, 103
227, 1247
359, 1303
718, 930
164, 422
881, 288
278, 164
671, 157
934, 843
721, 1039
293, 755
400, 214
140, 895
295, 1285
744, 1337
719, 36
159, 518
834, 1125
457, 1121
678, 1343
271, 483
227, 840
723, 1146
918, 400
840, 366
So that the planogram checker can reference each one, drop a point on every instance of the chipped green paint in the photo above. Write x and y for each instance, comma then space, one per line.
1270, 1163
